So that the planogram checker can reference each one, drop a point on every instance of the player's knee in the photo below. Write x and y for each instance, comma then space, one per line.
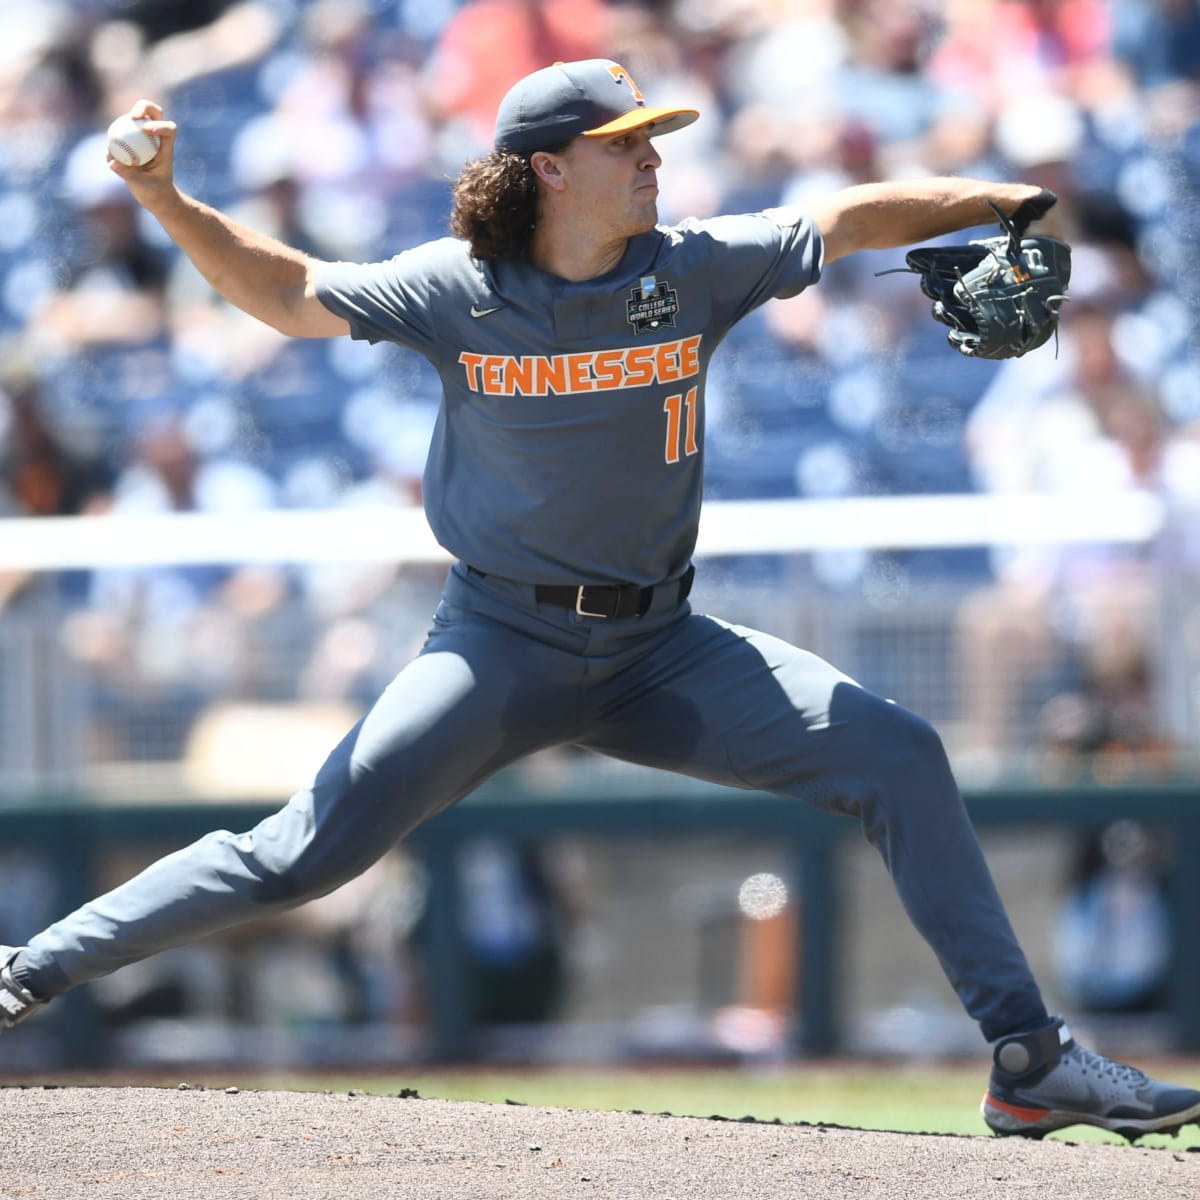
915, 739
904, 746
282, 887
323, 866
294, 857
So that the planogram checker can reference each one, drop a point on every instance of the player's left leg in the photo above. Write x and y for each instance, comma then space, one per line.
742, 708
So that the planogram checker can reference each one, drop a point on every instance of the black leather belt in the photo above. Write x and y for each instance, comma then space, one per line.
599, 600
602, 600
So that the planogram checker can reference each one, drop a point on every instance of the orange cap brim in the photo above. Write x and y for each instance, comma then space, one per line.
664, 120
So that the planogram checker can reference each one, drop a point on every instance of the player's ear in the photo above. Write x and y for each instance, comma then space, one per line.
548, 168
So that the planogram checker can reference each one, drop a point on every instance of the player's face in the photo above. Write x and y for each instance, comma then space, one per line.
614, 181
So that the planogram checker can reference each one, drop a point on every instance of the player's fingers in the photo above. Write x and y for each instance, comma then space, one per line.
160, 129
149, 109
120, 168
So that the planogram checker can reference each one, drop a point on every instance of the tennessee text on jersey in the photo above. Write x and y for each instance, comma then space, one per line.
588, 371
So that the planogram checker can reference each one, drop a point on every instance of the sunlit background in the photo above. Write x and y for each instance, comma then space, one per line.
1049, 625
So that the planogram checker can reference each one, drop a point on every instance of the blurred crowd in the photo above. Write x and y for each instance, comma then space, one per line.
126, 385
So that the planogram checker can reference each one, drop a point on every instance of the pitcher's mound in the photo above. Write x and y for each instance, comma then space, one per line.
128, 1143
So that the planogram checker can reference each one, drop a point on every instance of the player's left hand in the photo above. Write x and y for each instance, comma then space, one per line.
1001, 296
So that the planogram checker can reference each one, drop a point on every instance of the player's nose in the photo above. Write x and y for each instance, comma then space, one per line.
651, 159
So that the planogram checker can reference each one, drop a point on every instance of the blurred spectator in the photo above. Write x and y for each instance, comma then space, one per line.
1034, 69
489, 44
514, 930
113, 290
674, 64
48, 84
160, 45
883, 87
1112, 939
373, 617
1159, 40
1087, 427
44, 471
1001, 50
145, 636
347, 130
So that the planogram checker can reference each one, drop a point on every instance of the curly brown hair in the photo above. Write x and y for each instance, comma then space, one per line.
496, 205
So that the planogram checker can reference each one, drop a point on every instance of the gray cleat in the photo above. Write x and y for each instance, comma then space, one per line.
16, 1002
1044, 1080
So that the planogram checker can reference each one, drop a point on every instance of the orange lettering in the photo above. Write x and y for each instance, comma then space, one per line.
519, 375
689, 356
666, 358
570, 374
551, 375
579, 373
639, 366
608, 369
493, 375
471, 362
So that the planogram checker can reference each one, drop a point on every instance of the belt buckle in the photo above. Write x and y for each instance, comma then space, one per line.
583, 611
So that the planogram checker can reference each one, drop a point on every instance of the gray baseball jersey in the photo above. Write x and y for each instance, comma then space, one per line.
569, 444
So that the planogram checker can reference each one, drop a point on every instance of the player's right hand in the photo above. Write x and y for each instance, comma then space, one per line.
156, 176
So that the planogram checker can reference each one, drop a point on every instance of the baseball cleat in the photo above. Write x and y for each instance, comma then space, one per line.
16, 1001
1044, 1080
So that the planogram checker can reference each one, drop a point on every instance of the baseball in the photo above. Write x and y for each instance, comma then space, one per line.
129, 143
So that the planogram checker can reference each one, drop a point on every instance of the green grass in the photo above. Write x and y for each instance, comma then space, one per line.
900, 1097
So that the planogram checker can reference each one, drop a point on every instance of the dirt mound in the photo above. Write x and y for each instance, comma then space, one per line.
94, 1143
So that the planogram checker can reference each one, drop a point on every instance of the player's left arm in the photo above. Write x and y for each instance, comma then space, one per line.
880, 216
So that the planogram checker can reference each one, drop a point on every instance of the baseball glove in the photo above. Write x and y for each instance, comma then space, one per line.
1000, 296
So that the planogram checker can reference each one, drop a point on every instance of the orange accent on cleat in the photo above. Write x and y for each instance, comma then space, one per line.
1022, 1114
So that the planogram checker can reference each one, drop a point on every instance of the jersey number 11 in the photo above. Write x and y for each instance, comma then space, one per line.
680, 422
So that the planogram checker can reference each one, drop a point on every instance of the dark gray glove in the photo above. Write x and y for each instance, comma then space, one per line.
1000, 296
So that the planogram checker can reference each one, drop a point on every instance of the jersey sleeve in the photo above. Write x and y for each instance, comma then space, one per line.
391, 301
758, 257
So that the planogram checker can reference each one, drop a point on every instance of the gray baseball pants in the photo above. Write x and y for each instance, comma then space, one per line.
501, 676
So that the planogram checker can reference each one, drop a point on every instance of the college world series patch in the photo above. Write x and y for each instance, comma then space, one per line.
651, 305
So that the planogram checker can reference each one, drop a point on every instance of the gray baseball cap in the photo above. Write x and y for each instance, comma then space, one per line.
592, 98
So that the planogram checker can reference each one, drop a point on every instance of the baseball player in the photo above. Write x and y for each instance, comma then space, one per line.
572, 334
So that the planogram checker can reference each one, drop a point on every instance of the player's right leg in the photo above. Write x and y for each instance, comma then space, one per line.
480, 695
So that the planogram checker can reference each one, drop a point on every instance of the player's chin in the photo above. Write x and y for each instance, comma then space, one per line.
646, 217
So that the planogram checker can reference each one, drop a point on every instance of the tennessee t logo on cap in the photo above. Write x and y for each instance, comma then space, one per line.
592, 98
619, 73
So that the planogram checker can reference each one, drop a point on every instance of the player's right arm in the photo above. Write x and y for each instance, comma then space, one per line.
258, 274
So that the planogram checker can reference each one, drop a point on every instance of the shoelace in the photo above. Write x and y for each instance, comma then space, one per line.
1106, 1066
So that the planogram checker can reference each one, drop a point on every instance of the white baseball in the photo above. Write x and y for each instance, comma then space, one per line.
129, 143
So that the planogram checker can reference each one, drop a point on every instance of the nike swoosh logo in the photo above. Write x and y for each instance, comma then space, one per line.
483, 312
